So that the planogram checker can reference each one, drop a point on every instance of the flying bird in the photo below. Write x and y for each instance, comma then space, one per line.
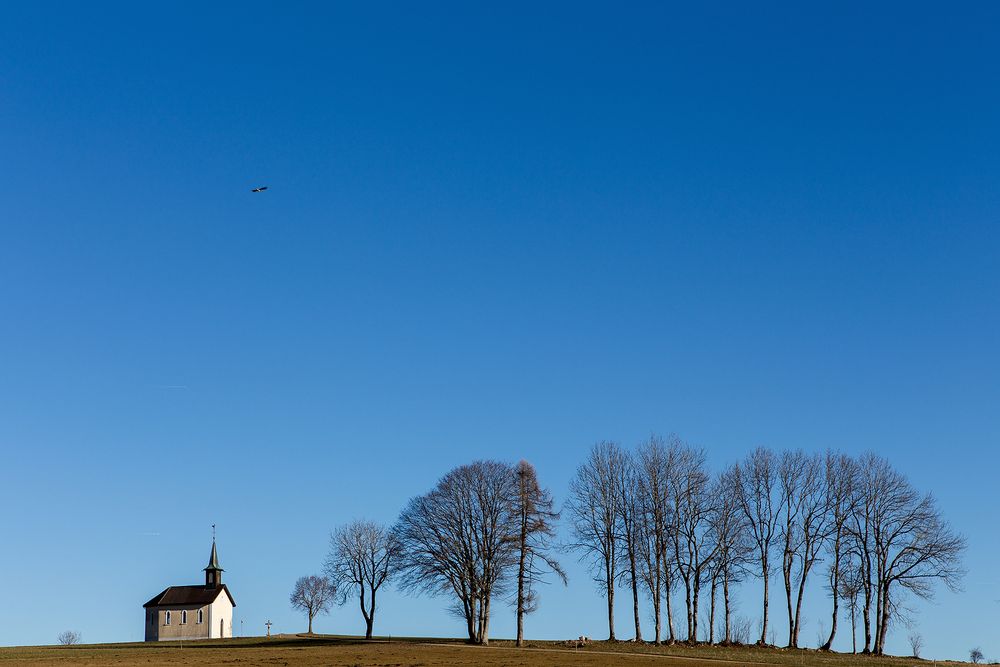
260, 189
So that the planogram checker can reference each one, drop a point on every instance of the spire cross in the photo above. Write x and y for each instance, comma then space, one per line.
213, 532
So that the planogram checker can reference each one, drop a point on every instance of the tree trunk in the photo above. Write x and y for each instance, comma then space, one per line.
670, 611
798, 603
522, 561
364, 612
763, 625
484, 638
310, 630
371, 617
694, 608
711, 612
866, 620
854, 630
725, 595
635, 595
471, 618
610, 578
834, 586
786, 570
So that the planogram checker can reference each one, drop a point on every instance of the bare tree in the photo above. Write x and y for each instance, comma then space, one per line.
916, 643
976, 655
849, 586
594, 509
693, 547
905, 545
313, 595
460, 539
69, 638
756, 479
730, 533
630, 525
363, 556
842, 485
536, 517
805, 528
791, 471
655, 462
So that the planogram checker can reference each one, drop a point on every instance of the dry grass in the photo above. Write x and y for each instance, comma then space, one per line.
349, 651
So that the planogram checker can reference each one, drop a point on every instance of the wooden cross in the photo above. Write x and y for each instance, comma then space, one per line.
268, 624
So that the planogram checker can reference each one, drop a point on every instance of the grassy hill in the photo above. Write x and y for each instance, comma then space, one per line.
339, 651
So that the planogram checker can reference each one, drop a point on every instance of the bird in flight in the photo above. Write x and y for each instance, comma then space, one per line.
260, 189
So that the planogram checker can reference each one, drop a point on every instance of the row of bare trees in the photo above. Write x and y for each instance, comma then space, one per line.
656, 520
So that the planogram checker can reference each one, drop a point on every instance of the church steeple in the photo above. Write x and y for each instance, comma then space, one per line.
213, 573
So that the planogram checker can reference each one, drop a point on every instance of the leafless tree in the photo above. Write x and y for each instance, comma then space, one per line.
756, 481
460, 539
976, 655
916, 643
730, 533
69, 638
906, 545
655, 462
849, 587
313, 595
363, 556
842, 486
694, 551
630, 526
594, 510
805, 527
536, 518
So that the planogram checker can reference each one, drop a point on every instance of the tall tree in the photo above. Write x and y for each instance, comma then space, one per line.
912, 547
630, 524
656, 459
693, 548
313, 595
536, 518
756, 479
791, 472
849, 586
841, 481
594, 510
460, 539
730, 533
805, 529
363, 556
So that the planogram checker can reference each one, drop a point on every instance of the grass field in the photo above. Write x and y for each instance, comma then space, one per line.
330, 651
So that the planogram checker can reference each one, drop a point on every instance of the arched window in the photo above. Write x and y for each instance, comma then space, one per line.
168, 619
184, 617
201, 615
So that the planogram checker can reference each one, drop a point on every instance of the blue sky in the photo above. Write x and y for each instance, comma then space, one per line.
490, 232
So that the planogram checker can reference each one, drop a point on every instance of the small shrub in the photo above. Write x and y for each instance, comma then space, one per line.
69, 638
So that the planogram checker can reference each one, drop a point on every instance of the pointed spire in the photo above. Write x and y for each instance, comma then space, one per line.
213, 573
213, 560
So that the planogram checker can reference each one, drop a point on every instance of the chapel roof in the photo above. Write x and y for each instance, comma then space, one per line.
189, 595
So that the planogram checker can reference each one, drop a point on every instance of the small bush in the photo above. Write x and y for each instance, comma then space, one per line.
69, 638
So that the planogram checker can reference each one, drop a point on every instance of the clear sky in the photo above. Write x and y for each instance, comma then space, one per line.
504, 232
